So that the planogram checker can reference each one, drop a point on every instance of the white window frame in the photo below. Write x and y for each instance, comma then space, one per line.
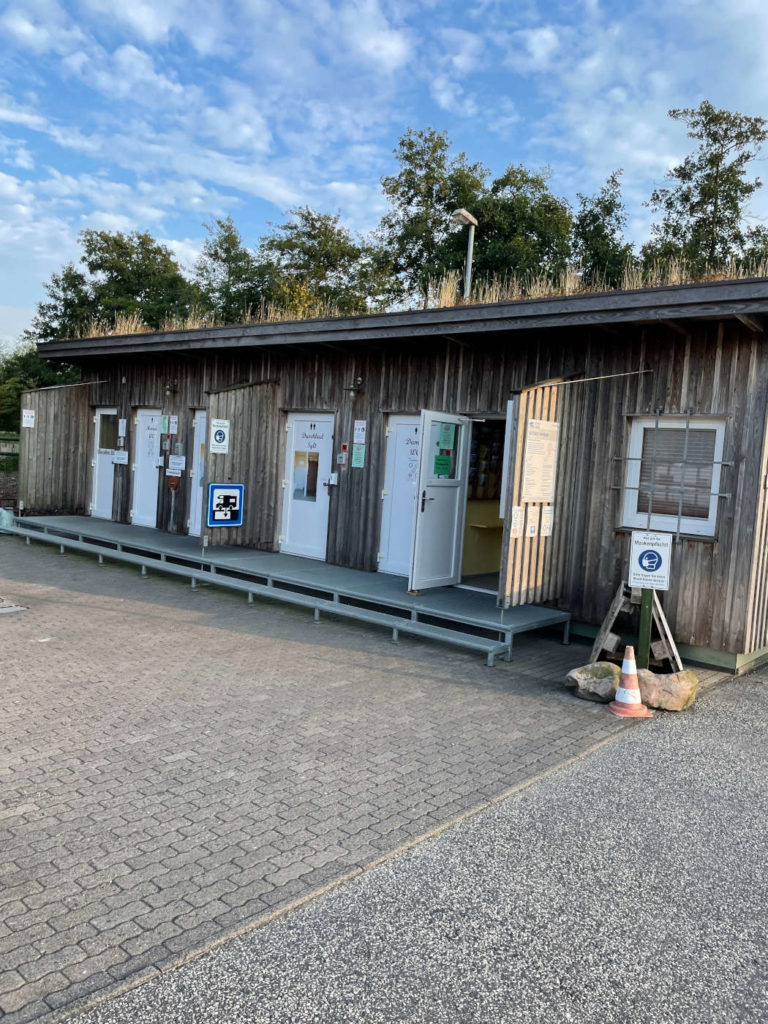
688, 524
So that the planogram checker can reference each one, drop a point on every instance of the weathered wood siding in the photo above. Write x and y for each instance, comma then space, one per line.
54, 454
710, 367
253, 460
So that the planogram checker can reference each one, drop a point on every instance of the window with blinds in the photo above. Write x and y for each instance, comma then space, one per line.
673, 474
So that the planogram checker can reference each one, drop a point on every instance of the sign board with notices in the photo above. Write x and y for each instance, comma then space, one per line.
173, 424
516, 523
219, 441
650, 555
532, 520
121, 427
176, 465
225, 505
27, 417
360, 431
120, 458
358, 456
442, 465
547, 519
447, 437
539, 461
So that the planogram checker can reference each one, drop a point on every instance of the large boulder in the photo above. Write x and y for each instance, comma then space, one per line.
674, 692
595, 682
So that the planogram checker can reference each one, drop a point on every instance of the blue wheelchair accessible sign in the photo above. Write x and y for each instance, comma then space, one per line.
649, 560
225, 505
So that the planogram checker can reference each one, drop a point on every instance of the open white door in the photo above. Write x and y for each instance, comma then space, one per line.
441, 500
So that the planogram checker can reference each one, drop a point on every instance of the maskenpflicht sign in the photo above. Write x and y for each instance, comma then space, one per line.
649, 560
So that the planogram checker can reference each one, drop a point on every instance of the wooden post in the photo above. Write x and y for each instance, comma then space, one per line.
644, 638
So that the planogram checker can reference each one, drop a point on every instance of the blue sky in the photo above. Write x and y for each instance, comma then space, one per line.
163, 114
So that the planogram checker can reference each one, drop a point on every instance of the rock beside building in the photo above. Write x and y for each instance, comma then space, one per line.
673, 692
595, 682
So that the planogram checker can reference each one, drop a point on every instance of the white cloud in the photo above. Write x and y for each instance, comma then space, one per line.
536, 48
371, 37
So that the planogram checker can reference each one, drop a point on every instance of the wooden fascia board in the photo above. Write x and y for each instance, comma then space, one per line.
607, 308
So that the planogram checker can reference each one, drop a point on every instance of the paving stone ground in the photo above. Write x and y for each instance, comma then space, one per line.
176, 764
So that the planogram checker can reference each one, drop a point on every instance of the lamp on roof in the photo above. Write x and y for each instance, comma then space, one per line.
465, 217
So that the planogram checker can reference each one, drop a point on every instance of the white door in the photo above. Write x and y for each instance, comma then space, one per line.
145, 467
401, 477
438, 536
197, 476
306, 499
104, 445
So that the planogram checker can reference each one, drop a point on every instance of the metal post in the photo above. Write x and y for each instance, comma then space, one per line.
644, 637
468, 268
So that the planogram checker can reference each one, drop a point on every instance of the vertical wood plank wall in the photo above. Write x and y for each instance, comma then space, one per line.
254, 416
719, 595
54, 454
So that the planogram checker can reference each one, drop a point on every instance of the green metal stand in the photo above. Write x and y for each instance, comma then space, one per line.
646, 621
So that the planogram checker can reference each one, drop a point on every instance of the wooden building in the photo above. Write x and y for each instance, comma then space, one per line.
350, 434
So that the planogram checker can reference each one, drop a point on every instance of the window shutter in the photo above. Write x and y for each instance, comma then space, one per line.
668, 471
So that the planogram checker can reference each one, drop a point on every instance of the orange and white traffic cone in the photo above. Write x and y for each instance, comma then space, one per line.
627, 703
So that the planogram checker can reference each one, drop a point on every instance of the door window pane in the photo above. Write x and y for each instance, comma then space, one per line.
108, 431
305, 470
442, 451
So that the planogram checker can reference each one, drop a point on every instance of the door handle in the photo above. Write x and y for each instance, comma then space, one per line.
424, 500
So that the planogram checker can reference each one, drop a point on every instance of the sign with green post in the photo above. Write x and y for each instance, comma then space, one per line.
650, 555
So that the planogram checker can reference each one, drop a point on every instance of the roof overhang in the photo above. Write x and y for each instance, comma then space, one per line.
712, 300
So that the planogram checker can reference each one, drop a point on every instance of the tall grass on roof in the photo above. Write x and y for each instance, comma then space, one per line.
445, 292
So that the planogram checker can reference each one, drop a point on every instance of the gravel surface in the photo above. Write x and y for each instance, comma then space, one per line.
628, 887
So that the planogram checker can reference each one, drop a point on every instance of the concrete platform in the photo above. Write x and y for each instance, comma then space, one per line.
464, 618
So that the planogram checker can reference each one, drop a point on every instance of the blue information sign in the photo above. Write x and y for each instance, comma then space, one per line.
225, 505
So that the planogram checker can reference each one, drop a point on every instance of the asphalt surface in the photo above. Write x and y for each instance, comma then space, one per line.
628, 887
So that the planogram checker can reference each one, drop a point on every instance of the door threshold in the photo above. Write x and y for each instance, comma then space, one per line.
476, 590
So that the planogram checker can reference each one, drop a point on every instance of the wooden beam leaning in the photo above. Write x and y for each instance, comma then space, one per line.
753, 322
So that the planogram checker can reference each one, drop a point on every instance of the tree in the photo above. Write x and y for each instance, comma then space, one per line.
703, 209
422, 195
316, 261
135, 274
22, 369
598, 241
68, 310
523, 229
230, 278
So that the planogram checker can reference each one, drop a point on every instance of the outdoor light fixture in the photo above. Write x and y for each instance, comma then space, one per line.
465, 217
171, 386
354, 387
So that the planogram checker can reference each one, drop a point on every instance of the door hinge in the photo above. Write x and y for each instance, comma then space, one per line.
132, 513
380, 557
133, 468
388, 432
93, 463
285, 484
95, 418
384, 494
281, 538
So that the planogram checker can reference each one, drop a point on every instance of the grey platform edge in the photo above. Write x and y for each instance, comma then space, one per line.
271, 590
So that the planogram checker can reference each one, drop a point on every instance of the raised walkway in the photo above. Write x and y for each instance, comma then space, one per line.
462, 618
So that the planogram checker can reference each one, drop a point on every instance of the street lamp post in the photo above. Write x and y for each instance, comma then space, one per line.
465, 217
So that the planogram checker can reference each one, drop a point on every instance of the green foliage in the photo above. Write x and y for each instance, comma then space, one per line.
598, 242
523, 230
429, 186
127, 276
23, 369
135, 274
231, 281
703, 207
314, 256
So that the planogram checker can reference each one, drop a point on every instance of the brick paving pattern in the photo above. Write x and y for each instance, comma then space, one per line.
175, 764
